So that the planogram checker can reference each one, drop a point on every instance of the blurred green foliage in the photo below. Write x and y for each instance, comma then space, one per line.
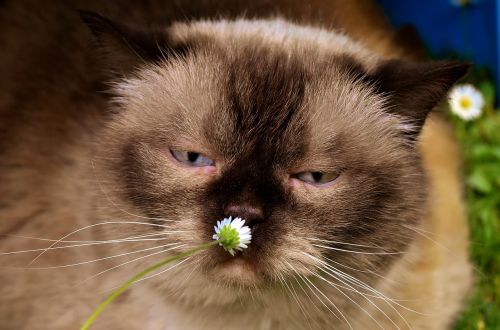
480, 142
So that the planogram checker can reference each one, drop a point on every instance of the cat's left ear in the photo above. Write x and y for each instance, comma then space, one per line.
415, 88
126, 47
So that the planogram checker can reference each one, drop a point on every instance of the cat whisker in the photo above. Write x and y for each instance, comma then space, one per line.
351, 288
178, 263
128, 262
62, 248
79, 241
307, 294
91, 226
294, 295
147, 237
351, 279
164, 271
389, 302
337, 287
288, 292
351, 268
90, 243
343, 243
362, 271
348, 288
101, 259
304, 279
357, 252
313, 303
427, 235
338, 274
189, 275
418, 229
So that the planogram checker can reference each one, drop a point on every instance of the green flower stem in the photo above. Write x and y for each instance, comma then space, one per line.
138, 276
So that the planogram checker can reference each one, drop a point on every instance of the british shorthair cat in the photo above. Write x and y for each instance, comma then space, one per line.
126, 142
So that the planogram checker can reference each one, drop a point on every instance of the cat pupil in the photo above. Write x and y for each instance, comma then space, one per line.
317, 176
192, 156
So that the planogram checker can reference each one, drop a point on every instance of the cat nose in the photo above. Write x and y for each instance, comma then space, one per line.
251, 214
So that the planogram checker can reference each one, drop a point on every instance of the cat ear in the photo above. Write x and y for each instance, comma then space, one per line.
126, 47
415, 88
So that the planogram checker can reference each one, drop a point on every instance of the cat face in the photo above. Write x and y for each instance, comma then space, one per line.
301, 132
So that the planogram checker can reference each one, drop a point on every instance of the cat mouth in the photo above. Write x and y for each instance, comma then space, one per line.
238, 270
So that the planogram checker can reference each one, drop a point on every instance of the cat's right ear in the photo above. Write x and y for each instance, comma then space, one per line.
126, 47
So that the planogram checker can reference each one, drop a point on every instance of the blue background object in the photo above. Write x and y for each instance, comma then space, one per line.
471, 31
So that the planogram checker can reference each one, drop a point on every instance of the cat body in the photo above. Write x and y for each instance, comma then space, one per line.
311, 136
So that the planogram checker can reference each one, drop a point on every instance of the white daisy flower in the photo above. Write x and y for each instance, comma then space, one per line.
232, 234
466, 101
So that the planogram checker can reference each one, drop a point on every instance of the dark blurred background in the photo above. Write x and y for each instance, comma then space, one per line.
466, 29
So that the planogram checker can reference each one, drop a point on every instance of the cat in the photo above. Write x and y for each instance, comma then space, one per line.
129, 129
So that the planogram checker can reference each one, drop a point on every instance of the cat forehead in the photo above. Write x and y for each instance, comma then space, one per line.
246, 94
276, 33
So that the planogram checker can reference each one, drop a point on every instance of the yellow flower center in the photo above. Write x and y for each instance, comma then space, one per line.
465, 103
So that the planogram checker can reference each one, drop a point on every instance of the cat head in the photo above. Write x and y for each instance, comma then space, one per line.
304, 133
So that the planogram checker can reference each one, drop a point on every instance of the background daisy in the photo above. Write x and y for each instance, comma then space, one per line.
466, 101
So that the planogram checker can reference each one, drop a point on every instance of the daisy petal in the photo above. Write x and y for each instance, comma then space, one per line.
232, 234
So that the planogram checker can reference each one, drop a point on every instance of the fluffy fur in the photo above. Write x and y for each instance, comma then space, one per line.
264, 98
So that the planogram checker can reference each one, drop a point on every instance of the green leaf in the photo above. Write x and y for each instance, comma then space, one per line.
484, 151
488, 90
479, 181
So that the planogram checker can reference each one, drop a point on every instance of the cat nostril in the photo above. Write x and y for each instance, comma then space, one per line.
251, 214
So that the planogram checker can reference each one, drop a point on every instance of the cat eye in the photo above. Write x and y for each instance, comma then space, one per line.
192, 158
316, 178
